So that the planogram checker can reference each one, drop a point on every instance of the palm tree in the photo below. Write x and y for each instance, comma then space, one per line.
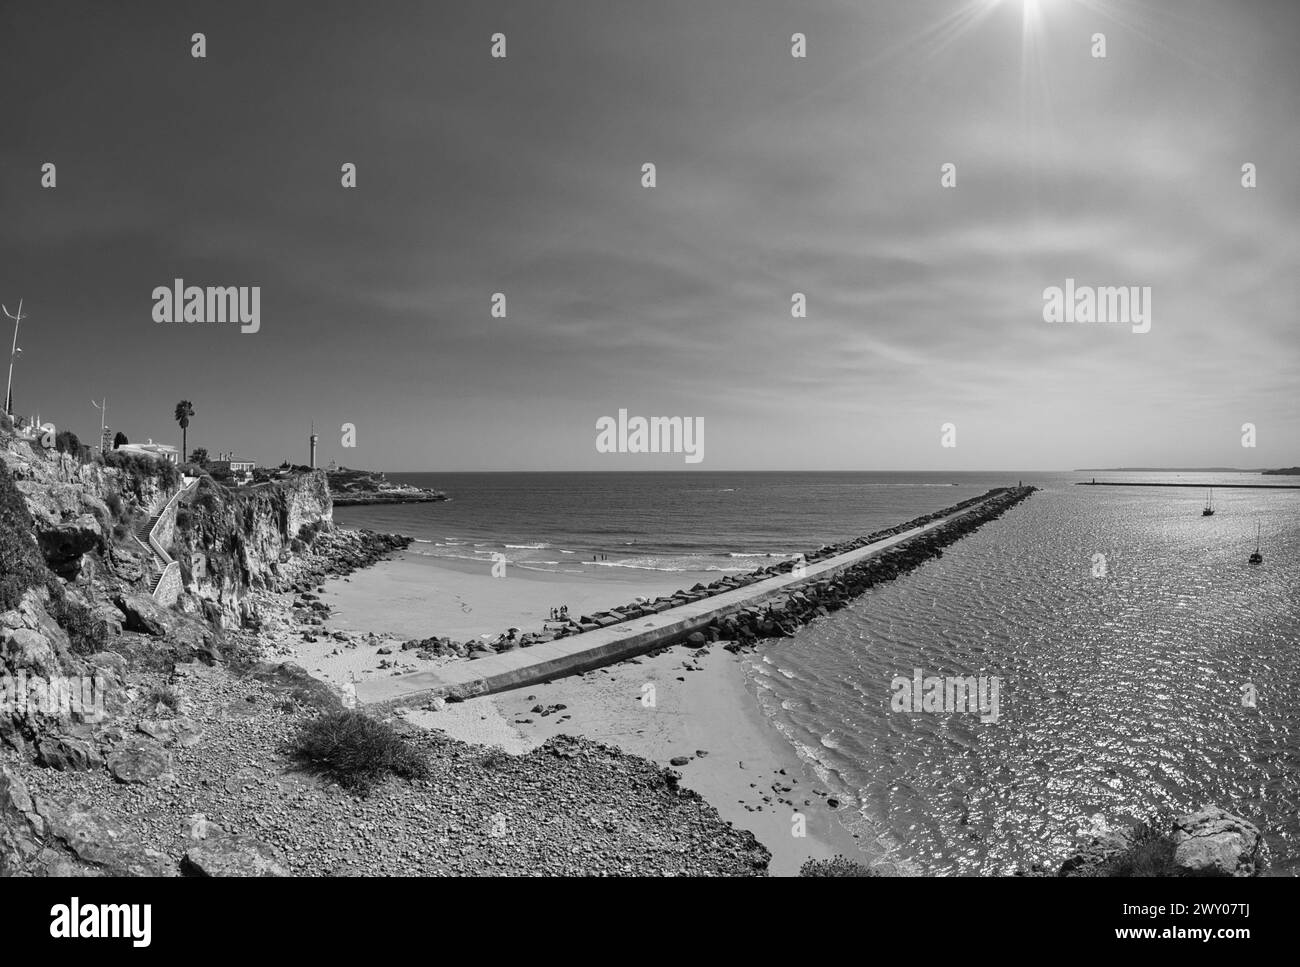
184, 410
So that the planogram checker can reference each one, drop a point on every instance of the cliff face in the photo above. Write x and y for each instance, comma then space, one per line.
231, 541
226, 541
76, 507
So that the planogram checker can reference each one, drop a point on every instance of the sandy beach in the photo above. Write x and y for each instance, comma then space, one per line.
702, 711
410, 596
414, 596
676, 704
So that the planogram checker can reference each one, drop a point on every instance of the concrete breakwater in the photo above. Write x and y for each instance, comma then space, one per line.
443, 646
818, 598
770, 602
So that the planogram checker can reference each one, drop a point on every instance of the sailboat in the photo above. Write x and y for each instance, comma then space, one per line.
1209, 504
1257, 558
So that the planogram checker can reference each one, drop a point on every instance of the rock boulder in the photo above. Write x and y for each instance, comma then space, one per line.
138, 761
141, 613
225, 854
1213, 842
68, 754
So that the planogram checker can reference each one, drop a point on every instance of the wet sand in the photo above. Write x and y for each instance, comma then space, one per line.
710, 710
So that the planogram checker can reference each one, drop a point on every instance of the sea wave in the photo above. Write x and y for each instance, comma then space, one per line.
658, 566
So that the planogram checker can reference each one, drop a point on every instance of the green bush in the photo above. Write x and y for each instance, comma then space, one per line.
168, 474
208, 499
87, 631
117, 507
1150, 853
495, 758
162, 695
137, 470
356, 751
840, 866
66, 442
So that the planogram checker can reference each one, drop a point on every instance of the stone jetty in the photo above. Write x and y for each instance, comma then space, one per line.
767, 603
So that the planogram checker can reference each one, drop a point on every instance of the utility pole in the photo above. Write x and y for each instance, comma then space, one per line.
14, 351
102, 406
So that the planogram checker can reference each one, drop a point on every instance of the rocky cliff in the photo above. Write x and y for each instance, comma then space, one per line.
78, 509
230, 542
86, 518
76, 571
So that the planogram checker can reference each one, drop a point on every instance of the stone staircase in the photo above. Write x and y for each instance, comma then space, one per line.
162, 572
153, 568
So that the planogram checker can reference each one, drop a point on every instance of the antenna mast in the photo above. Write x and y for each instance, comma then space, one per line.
13, 351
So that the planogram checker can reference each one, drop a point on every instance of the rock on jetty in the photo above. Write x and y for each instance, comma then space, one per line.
779, 619
820, 597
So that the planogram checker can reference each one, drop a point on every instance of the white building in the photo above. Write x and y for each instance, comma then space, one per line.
159, 451
239, 466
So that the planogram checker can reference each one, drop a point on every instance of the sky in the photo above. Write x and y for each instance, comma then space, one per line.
774, 175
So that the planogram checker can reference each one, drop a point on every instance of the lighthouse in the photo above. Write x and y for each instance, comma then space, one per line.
313, 445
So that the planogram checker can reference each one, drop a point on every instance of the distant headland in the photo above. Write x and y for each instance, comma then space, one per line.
355, 487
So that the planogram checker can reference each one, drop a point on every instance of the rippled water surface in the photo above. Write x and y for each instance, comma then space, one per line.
1120, 694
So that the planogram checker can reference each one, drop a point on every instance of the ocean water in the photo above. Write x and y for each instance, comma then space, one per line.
683, 521
1120, 694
